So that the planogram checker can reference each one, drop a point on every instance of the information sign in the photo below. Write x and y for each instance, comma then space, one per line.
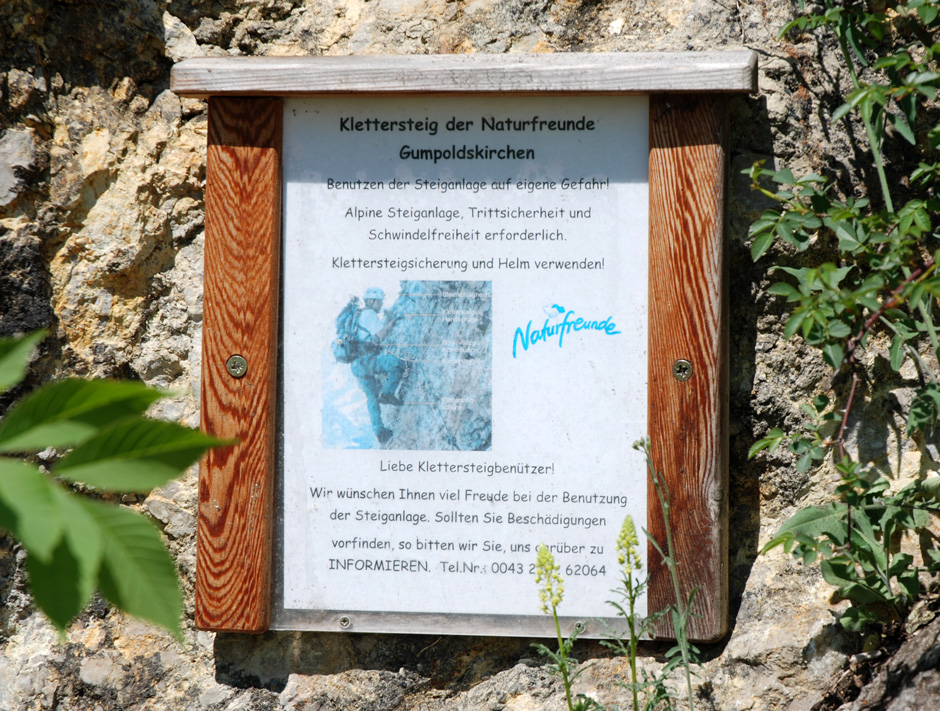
492, 275
489, 259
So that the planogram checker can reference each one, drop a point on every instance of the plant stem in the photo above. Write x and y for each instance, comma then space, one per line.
873, 141
879, 162
841, 441
886, 536
562, 659
915, 276
631, 621
680, 625
931, 330
840, 438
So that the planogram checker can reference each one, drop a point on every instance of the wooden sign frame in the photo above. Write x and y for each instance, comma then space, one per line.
687, 318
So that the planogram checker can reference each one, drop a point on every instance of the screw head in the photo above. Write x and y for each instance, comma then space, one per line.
236, 366
344, 622
682, 370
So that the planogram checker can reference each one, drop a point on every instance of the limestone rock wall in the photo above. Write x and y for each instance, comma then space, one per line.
101, 229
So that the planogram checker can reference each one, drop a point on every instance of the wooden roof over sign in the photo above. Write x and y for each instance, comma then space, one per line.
620, 73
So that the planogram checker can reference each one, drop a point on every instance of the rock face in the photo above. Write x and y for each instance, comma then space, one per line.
456, 376
909, 679
101, 229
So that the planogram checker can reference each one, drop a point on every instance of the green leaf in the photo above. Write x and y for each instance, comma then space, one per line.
928, 13
63, 585
832, 275
902, 563
784, 177
921, 77
14, 358
924, 171
838, 329
841, 112
813, 329
806, 555
901, 517
28, 508
860, 593
925, 409
901, 126
803, 275
867, 108
770, 442
864, 538
838, 573
897, 353
137, 574
849, 245
927, 90
761, 244
850, 32
821, 203
869, 302
55, 585
804, 462
794, 323
846, 234
931, 487
781, 288
135, 455
904, 226
784, 230
856, 619
816, 521
832, 354
65, 413
767, 219
785, 540
910, 582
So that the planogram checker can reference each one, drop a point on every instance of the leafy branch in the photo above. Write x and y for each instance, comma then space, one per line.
77, 543
884, 281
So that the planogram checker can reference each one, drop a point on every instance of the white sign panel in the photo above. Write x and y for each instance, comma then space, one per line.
464, 350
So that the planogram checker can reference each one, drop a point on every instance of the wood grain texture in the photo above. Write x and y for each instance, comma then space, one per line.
687, 320
624, 73
242, 275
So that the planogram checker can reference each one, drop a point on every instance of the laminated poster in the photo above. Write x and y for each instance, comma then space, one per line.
464, 349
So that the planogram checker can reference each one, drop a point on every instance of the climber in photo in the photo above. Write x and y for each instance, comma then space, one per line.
372, 360
431, 349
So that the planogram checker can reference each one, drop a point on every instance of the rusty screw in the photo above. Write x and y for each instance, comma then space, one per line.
682, 370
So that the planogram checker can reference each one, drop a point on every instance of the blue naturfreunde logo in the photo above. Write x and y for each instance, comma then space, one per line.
553, 328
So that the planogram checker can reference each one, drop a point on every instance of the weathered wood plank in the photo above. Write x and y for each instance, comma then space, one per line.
242, 274
731, 71
688, 139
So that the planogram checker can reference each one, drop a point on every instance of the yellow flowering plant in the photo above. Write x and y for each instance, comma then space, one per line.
657, 694
655, 689
551, 592
552, 587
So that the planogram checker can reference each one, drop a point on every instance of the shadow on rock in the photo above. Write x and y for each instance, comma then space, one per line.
269, 659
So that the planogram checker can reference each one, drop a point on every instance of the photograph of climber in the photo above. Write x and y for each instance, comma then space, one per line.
414, 376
